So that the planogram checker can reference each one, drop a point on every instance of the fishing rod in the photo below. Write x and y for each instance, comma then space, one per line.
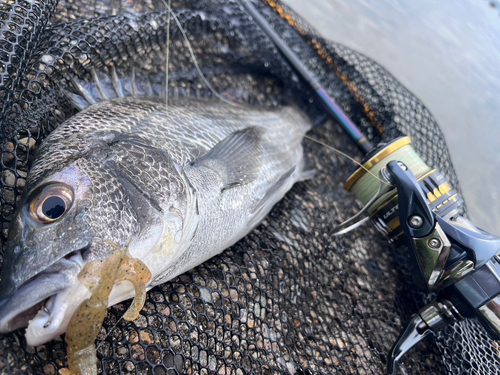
326, 100
411, 203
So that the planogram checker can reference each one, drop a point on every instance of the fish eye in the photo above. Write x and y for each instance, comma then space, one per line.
51, 203
53, 207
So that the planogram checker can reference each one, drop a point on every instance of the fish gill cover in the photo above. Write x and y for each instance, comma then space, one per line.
288, 298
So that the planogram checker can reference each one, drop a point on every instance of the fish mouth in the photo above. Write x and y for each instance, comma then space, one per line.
37, 304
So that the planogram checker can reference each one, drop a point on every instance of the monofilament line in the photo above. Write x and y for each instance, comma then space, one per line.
193, 57
347, 156
168, 50
109, 332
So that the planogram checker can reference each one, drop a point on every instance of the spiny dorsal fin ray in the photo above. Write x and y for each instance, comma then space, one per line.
87, 95
117, 84
98, 84
78, 101
149, 87
134, 83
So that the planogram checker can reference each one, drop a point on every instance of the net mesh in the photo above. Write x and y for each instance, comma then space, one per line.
287, 299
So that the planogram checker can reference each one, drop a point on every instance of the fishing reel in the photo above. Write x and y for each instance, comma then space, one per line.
410, 202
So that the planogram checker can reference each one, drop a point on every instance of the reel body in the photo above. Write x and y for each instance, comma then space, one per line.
439, 195
409, 202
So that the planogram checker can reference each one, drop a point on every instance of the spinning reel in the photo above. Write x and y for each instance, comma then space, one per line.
412, 203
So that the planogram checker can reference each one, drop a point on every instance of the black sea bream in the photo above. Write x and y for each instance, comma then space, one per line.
184, 182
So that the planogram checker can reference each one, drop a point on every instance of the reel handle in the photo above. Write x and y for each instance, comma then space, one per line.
448, 253
432, 318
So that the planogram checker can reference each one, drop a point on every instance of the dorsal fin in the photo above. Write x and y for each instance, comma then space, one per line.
117, 84
104, 87
98, 84
87, 95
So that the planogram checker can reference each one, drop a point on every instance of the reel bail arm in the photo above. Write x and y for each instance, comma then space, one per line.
415, 216
427, 242
449, 255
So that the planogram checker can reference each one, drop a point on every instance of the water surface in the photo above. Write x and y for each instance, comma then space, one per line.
448, 54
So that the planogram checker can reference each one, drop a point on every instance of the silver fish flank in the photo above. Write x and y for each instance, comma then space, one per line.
184, 182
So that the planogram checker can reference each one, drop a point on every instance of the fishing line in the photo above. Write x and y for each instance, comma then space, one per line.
168, 50
193, 57
330, 106
109, 331
348, 157
211, 88
171, 13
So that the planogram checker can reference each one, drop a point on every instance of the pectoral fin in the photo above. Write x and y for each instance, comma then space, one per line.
237, 158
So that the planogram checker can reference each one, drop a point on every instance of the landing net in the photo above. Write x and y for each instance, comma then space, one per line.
287, 299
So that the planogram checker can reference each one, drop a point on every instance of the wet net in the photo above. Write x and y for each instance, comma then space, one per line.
287, 299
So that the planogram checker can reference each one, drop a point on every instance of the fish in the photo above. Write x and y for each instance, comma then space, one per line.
183, 182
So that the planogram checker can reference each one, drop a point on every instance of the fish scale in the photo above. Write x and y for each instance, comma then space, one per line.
180, 183
327, 304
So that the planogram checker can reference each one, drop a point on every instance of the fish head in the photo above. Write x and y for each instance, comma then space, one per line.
62, 221
92, 181
49, 233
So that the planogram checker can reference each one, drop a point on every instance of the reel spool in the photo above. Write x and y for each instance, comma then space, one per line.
448, 255
383, 211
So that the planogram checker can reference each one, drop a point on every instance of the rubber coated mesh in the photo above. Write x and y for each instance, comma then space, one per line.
287, 299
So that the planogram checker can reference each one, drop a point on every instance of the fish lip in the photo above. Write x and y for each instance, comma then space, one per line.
19, 308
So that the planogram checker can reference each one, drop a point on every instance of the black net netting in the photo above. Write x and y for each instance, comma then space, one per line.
287, 299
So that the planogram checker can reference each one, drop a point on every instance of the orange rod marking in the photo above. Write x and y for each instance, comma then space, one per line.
329, 60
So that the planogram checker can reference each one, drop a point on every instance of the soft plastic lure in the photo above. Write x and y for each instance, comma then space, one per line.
99, 277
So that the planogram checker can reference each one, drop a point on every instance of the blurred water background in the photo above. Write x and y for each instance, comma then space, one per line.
448, 54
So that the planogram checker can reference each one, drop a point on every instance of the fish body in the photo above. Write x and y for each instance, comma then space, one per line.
183, 182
